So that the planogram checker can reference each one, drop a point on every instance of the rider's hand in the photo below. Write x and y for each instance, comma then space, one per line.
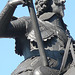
15, 2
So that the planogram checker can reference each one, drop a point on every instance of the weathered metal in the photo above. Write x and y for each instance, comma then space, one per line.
35, 36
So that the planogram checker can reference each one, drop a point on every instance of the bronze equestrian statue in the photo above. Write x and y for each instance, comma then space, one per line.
54, 32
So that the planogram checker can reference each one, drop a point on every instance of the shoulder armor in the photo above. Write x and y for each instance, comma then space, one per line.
46, 31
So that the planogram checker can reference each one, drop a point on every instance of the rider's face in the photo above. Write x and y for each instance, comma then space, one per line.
58, 7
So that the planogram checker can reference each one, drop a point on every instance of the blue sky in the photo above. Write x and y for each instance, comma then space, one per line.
8, 59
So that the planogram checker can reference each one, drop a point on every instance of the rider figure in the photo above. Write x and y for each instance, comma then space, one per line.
53, 30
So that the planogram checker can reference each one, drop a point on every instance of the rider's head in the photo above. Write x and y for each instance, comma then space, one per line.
56, 6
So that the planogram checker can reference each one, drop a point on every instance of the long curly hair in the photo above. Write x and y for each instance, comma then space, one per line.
43, 6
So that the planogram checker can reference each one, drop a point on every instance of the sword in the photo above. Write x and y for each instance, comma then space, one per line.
37, 32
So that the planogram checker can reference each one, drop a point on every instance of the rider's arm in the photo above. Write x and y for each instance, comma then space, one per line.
6, 15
